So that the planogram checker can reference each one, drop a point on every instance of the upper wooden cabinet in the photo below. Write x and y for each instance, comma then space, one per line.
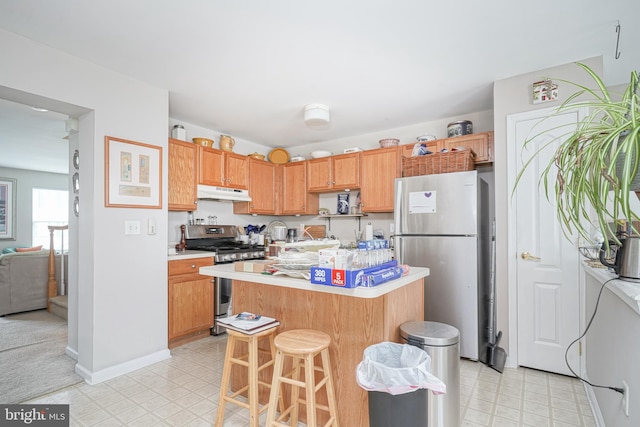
262, 184
294, 197
334, 173
378, 170
182, 175
480, 143
222, 168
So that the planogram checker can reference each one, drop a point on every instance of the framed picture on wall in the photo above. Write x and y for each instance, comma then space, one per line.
133, 174
7, 209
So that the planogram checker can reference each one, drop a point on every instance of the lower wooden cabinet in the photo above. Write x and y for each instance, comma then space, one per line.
190, 300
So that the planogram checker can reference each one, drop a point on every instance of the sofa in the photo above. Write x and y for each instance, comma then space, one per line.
23, 281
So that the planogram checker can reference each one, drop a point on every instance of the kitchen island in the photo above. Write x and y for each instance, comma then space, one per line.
354, 318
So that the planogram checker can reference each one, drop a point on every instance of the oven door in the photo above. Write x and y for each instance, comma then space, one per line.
221, 302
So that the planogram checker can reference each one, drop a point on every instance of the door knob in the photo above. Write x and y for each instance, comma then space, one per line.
528, 257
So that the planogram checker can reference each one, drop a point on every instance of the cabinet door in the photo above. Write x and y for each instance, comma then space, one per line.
182, 175
210, 166
235, 171
319, 174
262, 182
294, 188
346, 171
480, 143
190, 304
378, 170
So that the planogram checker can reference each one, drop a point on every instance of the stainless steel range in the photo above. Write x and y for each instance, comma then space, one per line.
222, 241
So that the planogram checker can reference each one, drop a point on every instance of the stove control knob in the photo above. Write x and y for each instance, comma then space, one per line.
227, 257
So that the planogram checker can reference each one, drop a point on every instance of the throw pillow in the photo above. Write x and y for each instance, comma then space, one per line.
33, 249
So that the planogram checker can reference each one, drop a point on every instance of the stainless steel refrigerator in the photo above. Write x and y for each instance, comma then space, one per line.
442, 222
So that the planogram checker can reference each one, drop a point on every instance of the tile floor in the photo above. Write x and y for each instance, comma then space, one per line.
183, 391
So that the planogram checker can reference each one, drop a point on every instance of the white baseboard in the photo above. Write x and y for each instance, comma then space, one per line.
593, 403
121, 369
72, 353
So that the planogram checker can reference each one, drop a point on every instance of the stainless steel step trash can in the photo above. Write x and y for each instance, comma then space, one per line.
406, 410
442, 343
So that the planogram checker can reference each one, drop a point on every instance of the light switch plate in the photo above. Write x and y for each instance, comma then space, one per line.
151, 226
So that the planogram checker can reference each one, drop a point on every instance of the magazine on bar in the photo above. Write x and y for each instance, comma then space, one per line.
248, 322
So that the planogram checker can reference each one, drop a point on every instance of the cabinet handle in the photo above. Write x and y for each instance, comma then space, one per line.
193, 266
333, 182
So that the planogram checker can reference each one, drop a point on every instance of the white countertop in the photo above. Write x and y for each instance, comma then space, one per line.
227, 271
189, 255
629, 292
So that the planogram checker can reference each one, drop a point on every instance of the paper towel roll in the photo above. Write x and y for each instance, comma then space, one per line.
368, 232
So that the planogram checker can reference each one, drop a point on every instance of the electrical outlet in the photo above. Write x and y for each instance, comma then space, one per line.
625, 397
392, 228
132, 227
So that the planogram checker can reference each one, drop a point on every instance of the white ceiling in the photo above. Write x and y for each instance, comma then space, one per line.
248, 68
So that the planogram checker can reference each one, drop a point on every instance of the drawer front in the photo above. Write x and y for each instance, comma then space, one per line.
185, 266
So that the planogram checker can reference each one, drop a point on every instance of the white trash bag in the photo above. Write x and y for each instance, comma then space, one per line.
397, 369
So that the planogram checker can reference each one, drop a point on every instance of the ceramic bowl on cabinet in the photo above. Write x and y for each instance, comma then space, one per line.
320, 153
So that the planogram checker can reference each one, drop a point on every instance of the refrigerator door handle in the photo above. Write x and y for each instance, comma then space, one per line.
398, 207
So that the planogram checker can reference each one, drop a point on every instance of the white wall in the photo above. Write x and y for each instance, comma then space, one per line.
612, 353
122, 297
26, 181
482, 122
514, 95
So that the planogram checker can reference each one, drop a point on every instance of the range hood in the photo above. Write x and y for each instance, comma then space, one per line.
210, 192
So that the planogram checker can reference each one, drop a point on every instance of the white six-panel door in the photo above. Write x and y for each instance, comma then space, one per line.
545, 263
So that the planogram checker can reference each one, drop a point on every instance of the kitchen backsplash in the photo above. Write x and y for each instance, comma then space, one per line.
342, 228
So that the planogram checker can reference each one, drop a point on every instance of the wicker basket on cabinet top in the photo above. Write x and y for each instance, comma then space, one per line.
451, 161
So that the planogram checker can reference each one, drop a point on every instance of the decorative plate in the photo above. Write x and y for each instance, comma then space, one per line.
278, 155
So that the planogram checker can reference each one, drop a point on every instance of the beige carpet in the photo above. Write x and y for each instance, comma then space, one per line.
32, 356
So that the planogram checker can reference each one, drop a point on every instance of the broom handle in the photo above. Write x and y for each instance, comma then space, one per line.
492, 284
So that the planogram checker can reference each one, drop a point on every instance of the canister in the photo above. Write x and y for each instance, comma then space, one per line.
178, 132
463, 127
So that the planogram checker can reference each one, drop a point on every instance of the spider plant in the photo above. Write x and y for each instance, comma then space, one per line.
595, 165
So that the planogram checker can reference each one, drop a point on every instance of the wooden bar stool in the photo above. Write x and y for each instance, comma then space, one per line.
302, 345
251, 362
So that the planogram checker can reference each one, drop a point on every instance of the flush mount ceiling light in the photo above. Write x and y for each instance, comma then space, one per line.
316, 115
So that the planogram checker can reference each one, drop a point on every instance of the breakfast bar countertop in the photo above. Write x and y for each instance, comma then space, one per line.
227, 271
189, 254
